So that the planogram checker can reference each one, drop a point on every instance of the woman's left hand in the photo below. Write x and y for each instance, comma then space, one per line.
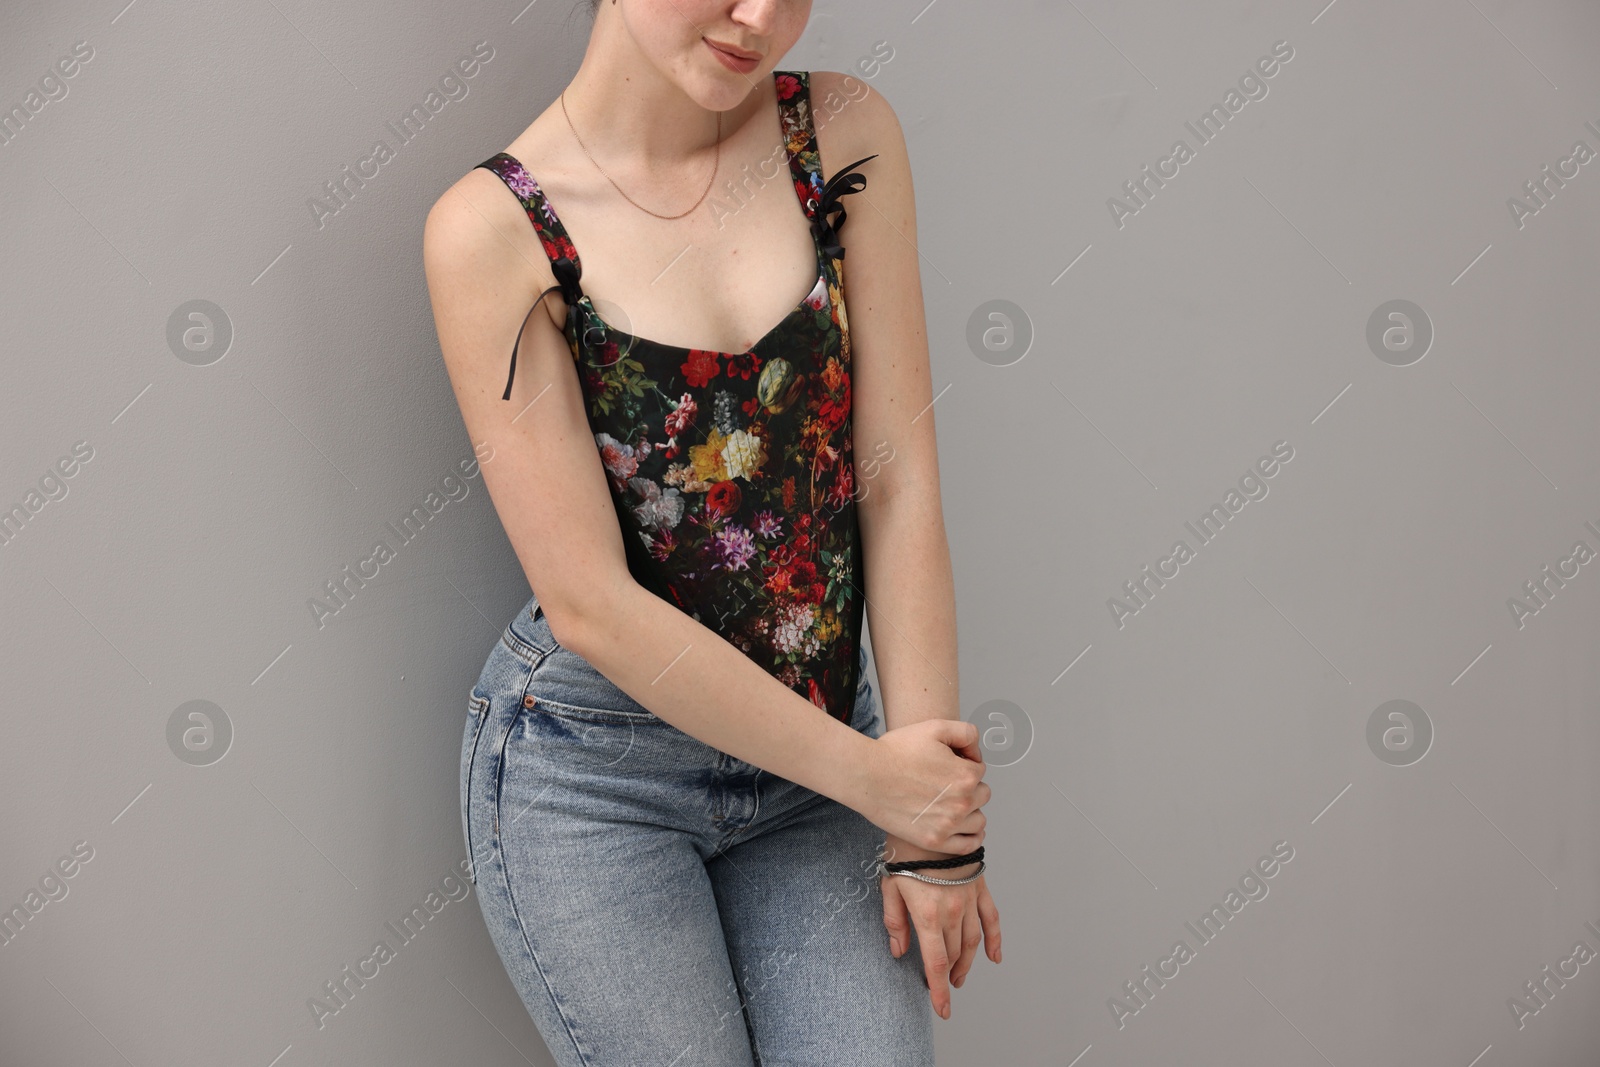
950, 920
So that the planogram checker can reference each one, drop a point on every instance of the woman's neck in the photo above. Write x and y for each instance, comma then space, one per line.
627, 111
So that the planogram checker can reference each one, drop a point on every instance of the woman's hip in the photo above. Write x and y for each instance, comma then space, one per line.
547, 733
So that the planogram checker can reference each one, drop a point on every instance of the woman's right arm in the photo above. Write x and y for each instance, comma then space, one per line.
484, 267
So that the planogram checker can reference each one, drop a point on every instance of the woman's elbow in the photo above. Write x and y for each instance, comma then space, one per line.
580, 614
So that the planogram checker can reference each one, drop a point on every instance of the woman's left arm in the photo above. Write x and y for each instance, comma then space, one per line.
910, 594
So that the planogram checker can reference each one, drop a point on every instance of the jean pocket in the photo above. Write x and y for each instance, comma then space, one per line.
578, 713
565, 685
472, 731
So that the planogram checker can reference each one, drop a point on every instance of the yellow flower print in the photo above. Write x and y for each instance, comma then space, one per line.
829, 627
707, 458
836, 295
833, 375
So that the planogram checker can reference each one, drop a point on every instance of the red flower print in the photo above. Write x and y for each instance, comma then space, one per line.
804, 191
751, 406
815, 694
662, 544
780, 568
701, 367
788, 494
723, 498
778, 579
744, 365
832, 411
843, 485
798, 580
680, 417
556, 247
787, 85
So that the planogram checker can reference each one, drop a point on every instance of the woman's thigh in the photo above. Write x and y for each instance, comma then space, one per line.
802, 915
584, 817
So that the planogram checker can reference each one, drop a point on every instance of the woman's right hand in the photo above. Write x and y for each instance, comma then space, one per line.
925, 785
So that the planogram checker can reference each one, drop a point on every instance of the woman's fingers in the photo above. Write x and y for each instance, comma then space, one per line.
960, 844
895, 918
962, 737
990, 916
970, 932
955, 905
965, 836
936, 958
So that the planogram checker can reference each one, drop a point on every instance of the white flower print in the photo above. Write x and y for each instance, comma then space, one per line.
659, 510
743, 454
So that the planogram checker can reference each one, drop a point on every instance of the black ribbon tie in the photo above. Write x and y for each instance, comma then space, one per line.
566, 273
841, 184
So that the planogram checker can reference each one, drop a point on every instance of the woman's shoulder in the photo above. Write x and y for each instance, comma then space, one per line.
478, 230
473, 216
476, 213
852, 117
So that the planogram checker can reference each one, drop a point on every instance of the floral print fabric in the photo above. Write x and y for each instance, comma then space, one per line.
732, 472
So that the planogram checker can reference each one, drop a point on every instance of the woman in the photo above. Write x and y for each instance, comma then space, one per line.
677, 794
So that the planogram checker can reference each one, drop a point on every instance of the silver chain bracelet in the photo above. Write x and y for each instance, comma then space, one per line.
974, 876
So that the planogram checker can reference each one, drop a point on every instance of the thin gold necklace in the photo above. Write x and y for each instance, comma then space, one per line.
716, 161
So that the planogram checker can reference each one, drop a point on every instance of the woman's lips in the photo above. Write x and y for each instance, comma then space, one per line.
732, 60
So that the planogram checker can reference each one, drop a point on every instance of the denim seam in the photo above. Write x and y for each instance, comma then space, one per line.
524, 648
480, 710
755, 791
516, 912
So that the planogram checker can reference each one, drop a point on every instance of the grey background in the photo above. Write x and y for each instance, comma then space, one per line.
1230, 713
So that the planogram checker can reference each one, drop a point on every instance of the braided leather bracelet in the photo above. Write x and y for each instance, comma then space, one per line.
910, 867
931, 865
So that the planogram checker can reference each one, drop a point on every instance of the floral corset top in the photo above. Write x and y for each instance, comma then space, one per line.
732, 473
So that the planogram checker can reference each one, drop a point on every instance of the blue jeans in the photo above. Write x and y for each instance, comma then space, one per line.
656, 901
